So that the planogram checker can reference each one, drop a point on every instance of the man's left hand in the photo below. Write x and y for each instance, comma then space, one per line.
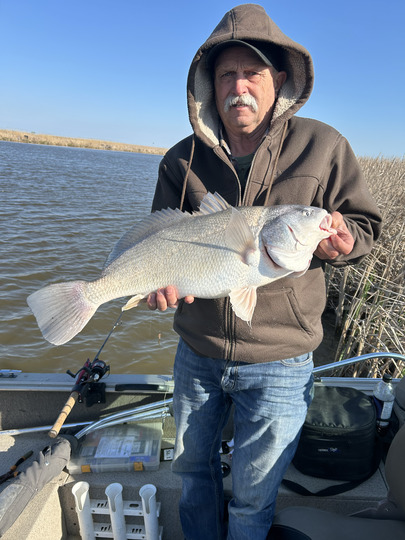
338, 244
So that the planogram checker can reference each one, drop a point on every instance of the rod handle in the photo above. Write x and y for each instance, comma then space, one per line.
64, 413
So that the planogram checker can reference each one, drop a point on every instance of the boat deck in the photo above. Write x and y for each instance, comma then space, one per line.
51, 513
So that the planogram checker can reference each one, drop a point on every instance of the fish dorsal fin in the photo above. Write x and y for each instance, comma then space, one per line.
211, 203
147, 227
243, 302
239, 236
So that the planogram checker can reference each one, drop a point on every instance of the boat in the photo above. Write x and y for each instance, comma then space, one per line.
30, 404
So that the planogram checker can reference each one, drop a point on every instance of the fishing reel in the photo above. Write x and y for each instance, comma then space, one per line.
88, 385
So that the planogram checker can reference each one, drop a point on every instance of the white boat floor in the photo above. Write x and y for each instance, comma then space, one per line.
51, 515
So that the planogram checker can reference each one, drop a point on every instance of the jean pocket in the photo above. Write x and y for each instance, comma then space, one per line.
298, 361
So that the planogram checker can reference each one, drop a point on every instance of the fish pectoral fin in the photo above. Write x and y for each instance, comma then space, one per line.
239, 236
243, 302
133, 302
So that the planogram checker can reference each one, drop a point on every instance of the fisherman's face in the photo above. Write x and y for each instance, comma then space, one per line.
240, 73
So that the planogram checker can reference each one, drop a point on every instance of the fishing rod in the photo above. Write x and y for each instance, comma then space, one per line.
87, 385
158, 409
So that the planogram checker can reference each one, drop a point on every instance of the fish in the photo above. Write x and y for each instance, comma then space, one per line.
215, 252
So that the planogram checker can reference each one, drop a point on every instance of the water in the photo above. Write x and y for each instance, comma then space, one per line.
62, 210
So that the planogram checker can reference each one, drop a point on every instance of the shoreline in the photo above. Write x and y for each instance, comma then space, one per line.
9, 135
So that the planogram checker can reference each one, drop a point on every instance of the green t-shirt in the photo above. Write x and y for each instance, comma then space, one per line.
242, 165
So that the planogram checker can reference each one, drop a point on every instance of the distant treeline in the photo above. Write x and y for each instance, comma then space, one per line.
53, 140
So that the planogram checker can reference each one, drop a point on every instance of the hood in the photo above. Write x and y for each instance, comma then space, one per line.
248, 22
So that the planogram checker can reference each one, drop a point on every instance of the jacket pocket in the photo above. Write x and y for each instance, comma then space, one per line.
295, 308
281, 309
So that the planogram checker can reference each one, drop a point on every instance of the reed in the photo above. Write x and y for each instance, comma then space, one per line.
369, 298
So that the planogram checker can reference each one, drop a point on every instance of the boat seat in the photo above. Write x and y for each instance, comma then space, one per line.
385, 521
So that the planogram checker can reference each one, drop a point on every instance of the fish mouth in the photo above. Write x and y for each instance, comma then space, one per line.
326, 225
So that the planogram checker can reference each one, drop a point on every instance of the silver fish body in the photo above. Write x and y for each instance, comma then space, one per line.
213, 253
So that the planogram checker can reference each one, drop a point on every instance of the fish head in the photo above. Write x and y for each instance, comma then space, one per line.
291, 238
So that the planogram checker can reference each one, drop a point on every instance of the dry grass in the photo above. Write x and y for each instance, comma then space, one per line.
52, 140
369, 299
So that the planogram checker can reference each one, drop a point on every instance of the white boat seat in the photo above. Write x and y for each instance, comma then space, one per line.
387, 521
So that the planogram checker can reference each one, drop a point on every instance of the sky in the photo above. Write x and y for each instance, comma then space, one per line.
117, 69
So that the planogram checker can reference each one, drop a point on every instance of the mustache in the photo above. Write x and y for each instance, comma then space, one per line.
244, 99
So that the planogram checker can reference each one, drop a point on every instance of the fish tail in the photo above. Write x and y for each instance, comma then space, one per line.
62, 310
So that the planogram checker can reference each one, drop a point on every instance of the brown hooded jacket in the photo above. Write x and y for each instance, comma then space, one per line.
299, 161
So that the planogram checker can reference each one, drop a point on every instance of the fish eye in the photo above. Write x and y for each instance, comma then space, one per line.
306, 213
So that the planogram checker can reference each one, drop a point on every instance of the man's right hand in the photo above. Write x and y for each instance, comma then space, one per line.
167, 297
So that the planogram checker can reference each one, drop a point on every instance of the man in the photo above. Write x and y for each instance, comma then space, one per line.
244, 86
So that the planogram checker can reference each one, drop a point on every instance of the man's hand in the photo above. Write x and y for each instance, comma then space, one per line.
164, 298
338, 244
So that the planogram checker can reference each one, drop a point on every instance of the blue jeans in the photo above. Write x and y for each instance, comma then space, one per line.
271, 402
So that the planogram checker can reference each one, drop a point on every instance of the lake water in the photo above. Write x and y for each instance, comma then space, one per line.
62, 210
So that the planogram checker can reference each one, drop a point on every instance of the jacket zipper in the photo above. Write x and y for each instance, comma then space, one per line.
229, 313
247, 180
229, 323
